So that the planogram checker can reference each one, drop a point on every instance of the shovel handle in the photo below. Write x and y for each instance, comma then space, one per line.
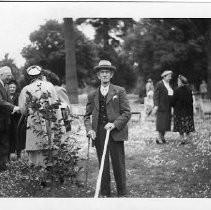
102, 165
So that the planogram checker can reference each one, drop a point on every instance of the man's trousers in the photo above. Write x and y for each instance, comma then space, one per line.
4, 147
116, 151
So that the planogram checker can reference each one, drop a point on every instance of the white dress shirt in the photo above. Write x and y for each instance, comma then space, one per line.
104, 90
169, 89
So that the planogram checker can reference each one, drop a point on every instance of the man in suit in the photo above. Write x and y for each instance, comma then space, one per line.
6, 108
109, 107
162, 105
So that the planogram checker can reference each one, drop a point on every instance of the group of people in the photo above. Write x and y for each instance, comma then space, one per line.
15, 116
107, 108
182, 102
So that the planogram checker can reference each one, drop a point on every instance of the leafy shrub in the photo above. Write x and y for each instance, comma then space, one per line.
60, 150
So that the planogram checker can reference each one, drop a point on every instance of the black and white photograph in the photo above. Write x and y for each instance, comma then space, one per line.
106, 103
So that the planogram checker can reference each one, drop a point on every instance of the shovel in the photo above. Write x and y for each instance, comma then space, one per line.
102, 165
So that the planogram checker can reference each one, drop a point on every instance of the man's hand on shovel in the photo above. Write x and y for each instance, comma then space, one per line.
110, 126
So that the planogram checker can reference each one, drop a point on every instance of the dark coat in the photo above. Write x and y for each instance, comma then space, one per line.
5, 110
183, 101
18, 136
161, 98
118, 111
6, 107
163, 102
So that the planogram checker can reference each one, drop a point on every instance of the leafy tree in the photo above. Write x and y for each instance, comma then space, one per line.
47, 49
160, 44
109, 38
71, 74
60, 150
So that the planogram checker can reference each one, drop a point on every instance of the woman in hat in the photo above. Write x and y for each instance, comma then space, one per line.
162, 105
35, 121
183, 109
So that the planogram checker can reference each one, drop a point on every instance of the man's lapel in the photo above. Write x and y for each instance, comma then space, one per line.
96, 98
111, 93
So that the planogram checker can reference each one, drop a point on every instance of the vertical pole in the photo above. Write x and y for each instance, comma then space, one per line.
97, 190
70, 64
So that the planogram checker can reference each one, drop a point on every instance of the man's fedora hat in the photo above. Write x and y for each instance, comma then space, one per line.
104, 64
34, 70
166, 73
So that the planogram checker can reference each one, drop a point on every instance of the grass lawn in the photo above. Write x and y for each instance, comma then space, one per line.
169, 170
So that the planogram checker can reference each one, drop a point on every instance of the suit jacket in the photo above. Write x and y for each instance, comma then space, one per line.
118, 111
161, 98
5, 108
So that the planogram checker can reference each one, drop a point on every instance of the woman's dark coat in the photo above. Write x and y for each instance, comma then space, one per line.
163, 102
17, 130
183, 101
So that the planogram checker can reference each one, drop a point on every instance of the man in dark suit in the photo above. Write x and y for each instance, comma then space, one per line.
109, 107
162, 105
6, 108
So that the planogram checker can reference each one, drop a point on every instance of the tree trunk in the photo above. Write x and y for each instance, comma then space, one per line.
70, 66
209, 58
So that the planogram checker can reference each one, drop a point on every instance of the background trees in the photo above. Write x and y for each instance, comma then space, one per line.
140, 49
109, 37
47, 49
70, 64
176, 44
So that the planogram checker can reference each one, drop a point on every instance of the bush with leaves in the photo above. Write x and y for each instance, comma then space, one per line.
60, 149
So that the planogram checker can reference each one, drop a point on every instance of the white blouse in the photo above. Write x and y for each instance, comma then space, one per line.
168, 87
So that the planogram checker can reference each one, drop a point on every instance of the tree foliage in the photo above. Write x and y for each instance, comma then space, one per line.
176, 44
61, 150
47, 49
109, 34
150, 45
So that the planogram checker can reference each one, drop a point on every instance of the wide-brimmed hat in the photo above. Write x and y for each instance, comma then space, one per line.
166, 73
104, 64
34, 70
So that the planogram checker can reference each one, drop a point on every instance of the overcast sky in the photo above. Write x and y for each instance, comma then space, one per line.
19, 19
